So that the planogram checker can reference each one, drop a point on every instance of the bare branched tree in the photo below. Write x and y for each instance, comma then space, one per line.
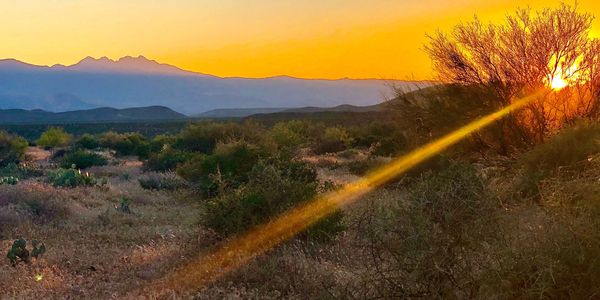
526, 52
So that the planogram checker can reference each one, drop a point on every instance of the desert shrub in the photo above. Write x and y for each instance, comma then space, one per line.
569, 146
385, 138
54, 137
23, 171
289, 134
364, 166
9, 218
334, 139
126, 143
124, 205
88, 141
35, 204
228, 166
83, 159
12, 148
203, 137
271, 190
572, 145
125, 176
166, 160
161, 181
10, 180
555, 255
70, 178
430, 244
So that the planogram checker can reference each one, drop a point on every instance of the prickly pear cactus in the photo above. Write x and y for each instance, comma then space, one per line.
37, 251
18, 251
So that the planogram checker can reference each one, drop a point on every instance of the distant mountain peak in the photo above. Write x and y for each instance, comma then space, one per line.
129, 65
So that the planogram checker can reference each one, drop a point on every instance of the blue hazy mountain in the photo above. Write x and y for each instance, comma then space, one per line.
138, 81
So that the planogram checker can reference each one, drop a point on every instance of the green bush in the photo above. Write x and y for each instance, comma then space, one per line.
334, 139
126, 143
161, 181
54, 137
205, 136
70, 178
385, 138
23, 171
289, 134
166, 160
88, 141
228, 166
83, 159
12, 148
9, 180
270, 191
124, 205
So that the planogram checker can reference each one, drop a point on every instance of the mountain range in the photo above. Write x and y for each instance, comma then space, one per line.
141, 82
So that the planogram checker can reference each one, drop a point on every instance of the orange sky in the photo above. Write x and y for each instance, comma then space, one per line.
250, 38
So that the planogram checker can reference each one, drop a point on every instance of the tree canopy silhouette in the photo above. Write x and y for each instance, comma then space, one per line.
527, 51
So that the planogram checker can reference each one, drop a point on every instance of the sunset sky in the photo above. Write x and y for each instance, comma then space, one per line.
250, 38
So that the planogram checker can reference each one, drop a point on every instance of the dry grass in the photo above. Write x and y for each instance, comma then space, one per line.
97, 252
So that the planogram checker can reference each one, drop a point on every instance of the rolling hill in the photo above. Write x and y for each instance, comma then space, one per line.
96, 115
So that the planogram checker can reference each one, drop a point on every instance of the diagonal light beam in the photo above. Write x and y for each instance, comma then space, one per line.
205, 269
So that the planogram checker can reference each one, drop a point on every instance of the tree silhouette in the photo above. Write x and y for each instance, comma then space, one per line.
528, 51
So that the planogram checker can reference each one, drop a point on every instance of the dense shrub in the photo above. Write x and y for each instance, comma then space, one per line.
385, 138
126, 143
88, 141
364, 166
21, 171
228, 166
334, 139
54, 137
571, 145
10, 180
12, 148
432, 243
161, 181
270, 191
70, 178
204, 137
166, 160
83, 159
289, 134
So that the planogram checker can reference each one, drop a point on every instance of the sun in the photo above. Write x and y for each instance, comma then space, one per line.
562, 78
558, 83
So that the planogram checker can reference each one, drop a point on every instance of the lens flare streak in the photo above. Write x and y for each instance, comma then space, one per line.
207, 268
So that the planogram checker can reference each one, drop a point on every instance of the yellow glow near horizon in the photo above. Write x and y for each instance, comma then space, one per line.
310, 39
209, 267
